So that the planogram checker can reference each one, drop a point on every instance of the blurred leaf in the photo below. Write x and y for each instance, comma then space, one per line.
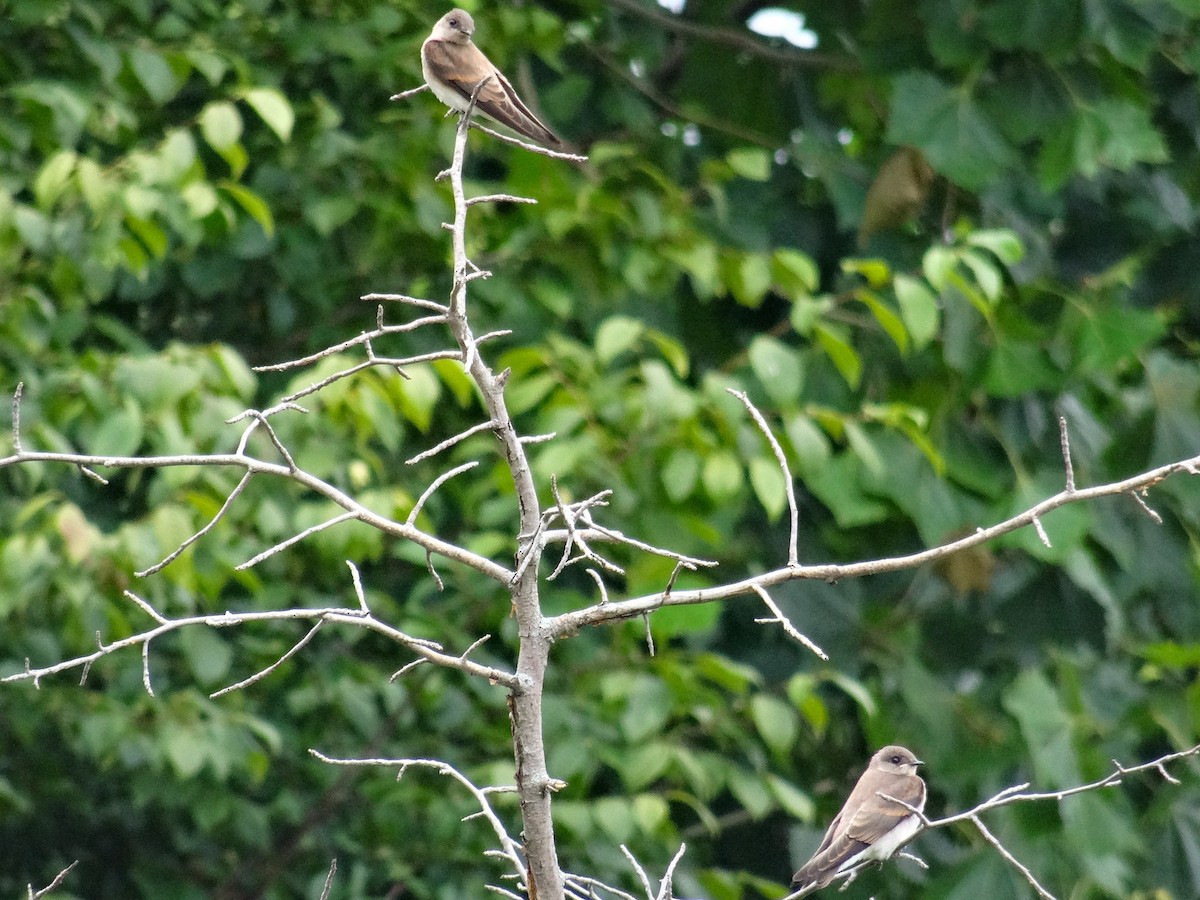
777, 368
274, 109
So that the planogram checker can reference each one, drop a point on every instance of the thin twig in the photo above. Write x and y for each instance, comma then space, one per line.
447, 443
793, 542
173, 555
437, 483
785, 623
411, 92
295, 539
325, 891
1012, 860
1064, 442
58, 880
259, 676
16, 420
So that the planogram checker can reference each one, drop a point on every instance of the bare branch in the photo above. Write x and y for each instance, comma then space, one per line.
16, 420
145, 666
255, 466
57, 882
427, 650
449, 442
525, 145
294, 539
570, 622
1064, 441
785, 623
641, 873
508, 847
500, 198
174, 554
411, 92
325, 891
1017, 794
1041, 531
794, 514
411, 301
259, 676
437, 483
1138, 498
600, 584
358, 340
1012, 860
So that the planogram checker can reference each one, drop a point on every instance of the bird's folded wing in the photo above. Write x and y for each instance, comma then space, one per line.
875, 819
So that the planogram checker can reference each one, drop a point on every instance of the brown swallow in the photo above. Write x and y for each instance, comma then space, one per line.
454, 67
869, 828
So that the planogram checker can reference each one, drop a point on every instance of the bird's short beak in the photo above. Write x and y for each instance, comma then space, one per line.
918, 762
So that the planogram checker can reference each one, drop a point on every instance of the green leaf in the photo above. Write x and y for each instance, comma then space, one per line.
839, 351
614, 815
791, 799
647, 709
987, 276
794, 273
918, 309
651, 812
154, 74
1017, 367
252, 203
888, 320
419, 394
121, 432
750, 792
53, 178
1046, 727
953, 131
185, 748
680, 473
748, 277
616, 335
274, 109
722, 476
775, 721
777, 368
1000, 241
937, 265
753, 163
207, 653
221, 124
809, 443
769, 486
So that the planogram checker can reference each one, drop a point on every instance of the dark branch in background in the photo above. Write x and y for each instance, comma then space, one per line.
744, 41
672, 109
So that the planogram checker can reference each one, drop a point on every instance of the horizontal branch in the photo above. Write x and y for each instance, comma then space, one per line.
616, 610
255, 466
426, 649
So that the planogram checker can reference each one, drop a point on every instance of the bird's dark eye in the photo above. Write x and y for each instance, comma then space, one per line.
454, 23
896, 760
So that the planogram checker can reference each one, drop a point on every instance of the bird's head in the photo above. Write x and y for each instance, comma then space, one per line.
895, 760
456, 26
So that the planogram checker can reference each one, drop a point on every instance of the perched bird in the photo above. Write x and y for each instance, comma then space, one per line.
454, 67
869, 828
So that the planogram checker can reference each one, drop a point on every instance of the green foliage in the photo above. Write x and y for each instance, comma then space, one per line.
192, 189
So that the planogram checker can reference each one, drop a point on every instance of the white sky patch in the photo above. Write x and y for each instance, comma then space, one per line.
675, 6
781, 23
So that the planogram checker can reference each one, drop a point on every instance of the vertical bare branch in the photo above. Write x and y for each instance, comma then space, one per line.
793, 511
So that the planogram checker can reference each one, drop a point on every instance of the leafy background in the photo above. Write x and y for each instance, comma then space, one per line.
191, 189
